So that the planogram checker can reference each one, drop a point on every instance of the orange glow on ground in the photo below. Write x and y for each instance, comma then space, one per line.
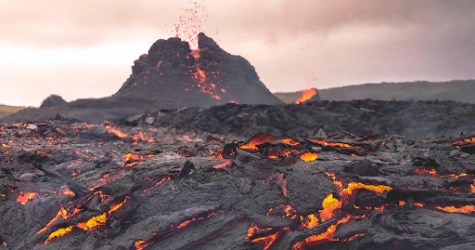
225, 164
358, 185
452, 209
330, 204
147, 191
258, 139
334, 144
57, 234
309, 156
26, 196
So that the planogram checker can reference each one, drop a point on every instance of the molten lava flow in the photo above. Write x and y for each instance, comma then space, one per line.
289, 211
62, 214
452, 209
147, 191
68, 213
267, 241
26, 196
345, 193
353, 237
64, 191
469, 140
290, 141
105, 179
203, 82
334, 144
57, 234
308, 222
337, 183
432, 173
358, 185
284, 153
131, 164
256, 140
118, 133
93, 223
141, 244
306, 95
225, 164
130, 156
136, 137
81, 154
324, 237
329, 204
143, 137
283, 211
309, 156
418, 204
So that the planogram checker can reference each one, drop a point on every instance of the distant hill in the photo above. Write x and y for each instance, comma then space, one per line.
457, 90
7, 110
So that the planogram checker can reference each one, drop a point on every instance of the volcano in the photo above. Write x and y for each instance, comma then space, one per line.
177, 76
170, 76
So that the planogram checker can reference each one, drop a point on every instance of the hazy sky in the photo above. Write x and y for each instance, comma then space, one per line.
85, 48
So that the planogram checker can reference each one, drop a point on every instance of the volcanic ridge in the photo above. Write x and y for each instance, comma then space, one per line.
170, 76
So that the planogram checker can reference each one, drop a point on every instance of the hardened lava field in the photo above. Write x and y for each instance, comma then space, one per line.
69, 185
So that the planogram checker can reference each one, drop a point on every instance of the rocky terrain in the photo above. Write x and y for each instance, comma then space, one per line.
416, 120
457, 90
69, 185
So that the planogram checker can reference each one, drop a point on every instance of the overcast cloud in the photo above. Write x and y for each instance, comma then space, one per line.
85, 48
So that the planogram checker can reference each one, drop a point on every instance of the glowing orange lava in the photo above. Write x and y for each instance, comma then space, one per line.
465, 209
308, 222
432, 173
330, 204
58, 233
306, 95
256, 140
147, 191
26, 196
358, 185
334, 144
290, 141
225, 164
309, 156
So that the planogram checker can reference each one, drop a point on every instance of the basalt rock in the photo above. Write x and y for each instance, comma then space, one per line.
178, 77
71, 185
362, 118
